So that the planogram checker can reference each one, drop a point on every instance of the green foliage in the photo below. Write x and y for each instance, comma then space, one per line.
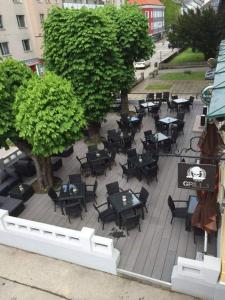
183, 76
12, 75
48, 115
187, 56
132, 37
81, 45
199, 30
172, 11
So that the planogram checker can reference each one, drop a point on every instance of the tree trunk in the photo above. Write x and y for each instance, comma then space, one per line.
42, 165
124, 101
94, 130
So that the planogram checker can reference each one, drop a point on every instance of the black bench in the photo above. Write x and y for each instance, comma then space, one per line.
13, 206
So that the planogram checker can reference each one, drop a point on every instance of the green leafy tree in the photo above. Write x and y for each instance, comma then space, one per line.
81, 46
133, 42
12, 75
199, 30
48, 116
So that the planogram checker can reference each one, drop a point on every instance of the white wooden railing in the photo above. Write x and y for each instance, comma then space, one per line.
80, 247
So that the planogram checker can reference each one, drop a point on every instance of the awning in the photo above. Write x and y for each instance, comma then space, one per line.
217, 104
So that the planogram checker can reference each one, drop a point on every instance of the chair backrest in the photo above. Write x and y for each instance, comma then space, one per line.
141, 101
144, 195
73, 209
174, 97
158, 96
171, 205
131, 153
150, 96
156, 118
131, 221
191, 99
75, 178
147, 133
166, 96
180, 116
95, 186
123, 168
52, 194
92, 148
78, 159
113, 188
111, 132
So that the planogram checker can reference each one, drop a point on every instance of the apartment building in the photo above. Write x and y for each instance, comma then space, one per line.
21, 28
154, 11
77, 4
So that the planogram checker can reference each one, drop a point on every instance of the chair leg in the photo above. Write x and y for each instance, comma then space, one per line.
103, 225
146, 209
139, 227
69, 219
171, 220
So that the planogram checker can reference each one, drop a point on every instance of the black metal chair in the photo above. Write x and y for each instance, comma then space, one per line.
56, 200
130, 221
166, 96
171, 106
177, 212
143, 197
131, 153
92, 148
128, 171
180, 115
180, 126
150, 172
99, 167
85, 166
106, 215
113, 188
73, 210
75, 178
90, 192
150, 97
191, 100
167, 146
174, 97
111, 160
147, 133
159, 96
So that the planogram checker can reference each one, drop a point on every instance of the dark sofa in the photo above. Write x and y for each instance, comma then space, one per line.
8, 179
14, 206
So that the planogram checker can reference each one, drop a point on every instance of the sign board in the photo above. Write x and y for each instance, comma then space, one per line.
196, 176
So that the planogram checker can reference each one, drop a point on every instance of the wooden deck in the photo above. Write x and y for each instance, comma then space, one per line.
153, 251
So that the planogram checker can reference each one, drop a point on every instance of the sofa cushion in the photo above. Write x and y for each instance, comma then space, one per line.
6, 186
13, 206
3, 176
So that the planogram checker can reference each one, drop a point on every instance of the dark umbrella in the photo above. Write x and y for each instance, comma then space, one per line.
205, 213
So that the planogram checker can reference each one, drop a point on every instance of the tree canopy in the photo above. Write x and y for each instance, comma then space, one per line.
81, 46
47, 114
132, 39
199, 30
12, 75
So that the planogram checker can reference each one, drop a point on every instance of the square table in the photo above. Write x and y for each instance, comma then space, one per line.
67, 193
139, 162
180, 101
116, 200
133, 119
100, 154
192, 204
158, 138
168, 120
148, 104
22, 192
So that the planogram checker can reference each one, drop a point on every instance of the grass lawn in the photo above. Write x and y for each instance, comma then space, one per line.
158, 86
183, 76
187, 56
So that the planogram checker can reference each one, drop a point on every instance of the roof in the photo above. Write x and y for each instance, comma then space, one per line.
145, 2
217, 104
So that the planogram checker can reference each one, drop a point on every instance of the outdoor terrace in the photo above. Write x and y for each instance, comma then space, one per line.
153, 251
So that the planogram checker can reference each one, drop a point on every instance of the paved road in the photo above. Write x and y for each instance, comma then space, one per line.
26, 276
161, 52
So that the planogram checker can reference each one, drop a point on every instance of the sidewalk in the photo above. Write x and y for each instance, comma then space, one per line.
27, 276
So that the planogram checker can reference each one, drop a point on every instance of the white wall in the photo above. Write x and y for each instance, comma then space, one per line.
79, 247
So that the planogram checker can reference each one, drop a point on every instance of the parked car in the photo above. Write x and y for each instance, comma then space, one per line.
142, 64
209, 75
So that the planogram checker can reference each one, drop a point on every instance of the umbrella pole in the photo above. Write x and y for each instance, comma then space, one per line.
205, 242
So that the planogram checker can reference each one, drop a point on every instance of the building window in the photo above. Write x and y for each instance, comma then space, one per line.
17, 1
147, 14
42, 18
26, 45
21, 21
4, 47
1, 23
